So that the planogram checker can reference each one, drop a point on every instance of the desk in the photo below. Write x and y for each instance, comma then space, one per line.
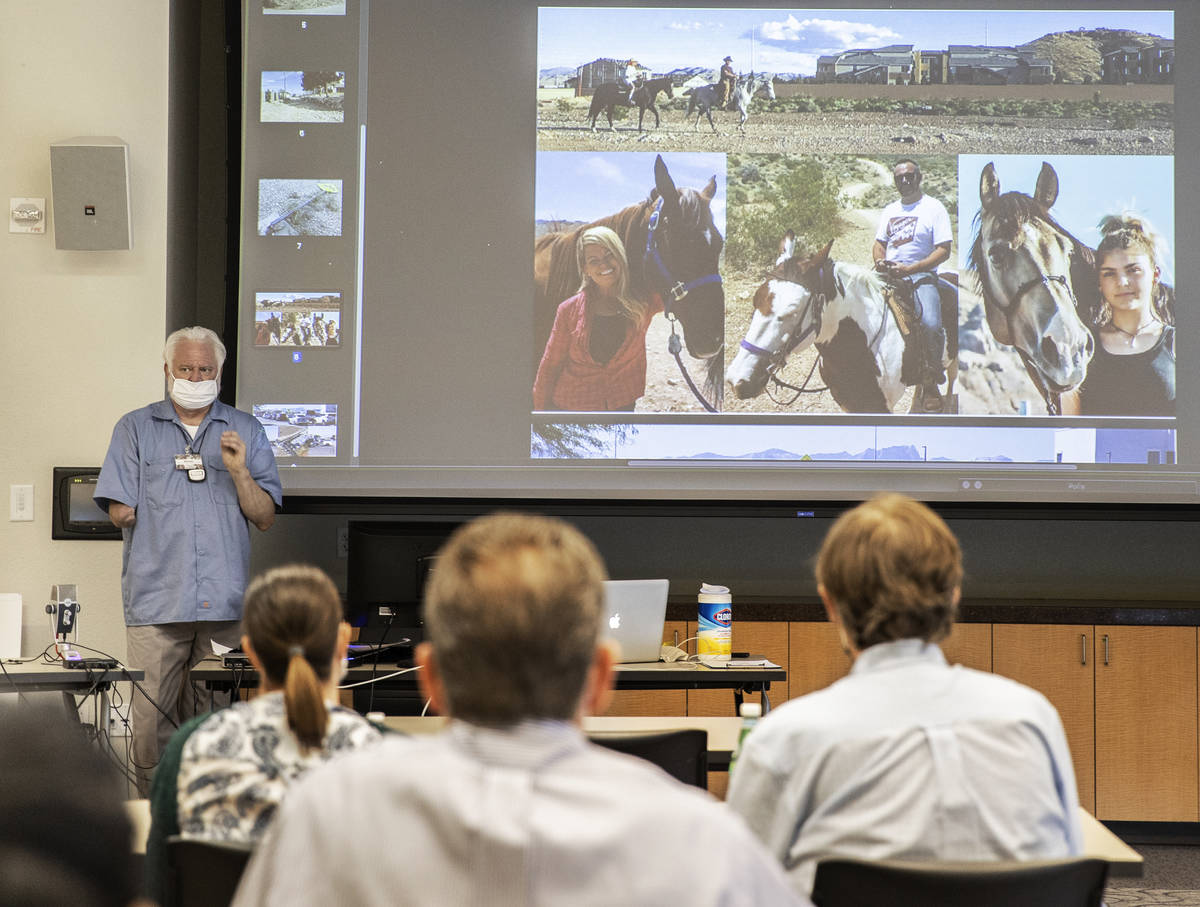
722, 732
37, 677
647, 676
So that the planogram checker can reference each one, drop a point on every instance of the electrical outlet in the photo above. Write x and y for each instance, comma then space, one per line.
343, 541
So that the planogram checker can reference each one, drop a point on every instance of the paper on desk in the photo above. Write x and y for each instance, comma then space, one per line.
219, 649
749, 663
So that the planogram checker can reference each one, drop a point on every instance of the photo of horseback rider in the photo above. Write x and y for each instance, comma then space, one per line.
913, 239
725, 83
631, 80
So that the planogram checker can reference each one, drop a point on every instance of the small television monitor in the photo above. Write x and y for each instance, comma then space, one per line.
76, 515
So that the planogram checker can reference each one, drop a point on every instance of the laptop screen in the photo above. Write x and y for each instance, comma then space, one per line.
633, 617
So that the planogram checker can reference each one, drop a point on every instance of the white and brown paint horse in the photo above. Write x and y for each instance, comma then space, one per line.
840, 308
1038, 283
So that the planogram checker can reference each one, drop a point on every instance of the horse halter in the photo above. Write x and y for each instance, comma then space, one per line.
777, 359
1043, 280
676, 289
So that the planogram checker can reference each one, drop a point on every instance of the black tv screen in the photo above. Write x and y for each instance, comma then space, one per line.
417, 176
75, 514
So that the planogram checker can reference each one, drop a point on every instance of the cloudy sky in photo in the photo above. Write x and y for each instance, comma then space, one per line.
781, 40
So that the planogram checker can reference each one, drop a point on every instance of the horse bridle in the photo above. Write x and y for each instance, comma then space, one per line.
1053, 399
676, 291
777, 359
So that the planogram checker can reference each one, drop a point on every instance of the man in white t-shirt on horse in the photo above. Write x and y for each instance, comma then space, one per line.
913, 238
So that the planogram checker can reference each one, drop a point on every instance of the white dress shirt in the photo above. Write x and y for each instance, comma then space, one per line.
532, 815
908, 758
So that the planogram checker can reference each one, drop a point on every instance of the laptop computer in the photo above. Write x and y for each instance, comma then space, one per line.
634, 611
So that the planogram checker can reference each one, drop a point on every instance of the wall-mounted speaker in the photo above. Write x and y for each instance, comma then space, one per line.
89, 182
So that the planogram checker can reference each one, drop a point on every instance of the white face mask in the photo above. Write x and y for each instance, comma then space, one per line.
193, 394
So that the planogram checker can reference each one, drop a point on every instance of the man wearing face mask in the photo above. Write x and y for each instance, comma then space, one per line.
184, 478
913, 238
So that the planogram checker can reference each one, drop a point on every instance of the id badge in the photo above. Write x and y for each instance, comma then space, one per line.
193, 464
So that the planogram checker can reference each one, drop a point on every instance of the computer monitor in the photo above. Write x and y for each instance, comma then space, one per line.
75, 514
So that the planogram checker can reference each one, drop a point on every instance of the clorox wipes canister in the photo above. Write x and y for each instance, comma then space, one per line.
714, 640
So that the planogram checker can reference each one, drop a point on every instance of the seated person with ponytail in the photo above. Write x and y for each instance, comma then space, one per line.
224, 774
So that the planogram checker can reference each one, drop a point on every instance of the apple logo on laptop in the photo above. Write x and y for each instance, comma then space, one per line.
614, 622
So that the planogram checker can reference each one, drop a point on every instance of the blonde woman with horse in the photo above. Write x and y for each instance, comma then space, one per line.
595, 359
1133, 370
224, 774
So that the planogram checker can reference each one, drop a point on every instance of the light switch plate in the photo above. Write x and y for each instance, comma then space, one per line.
20, 503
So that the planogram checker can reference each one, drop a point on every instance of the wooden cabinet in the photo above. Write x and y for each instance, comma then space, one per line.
817, 658
755, 637
969, 645
1146, 718
653, 702
1056, 660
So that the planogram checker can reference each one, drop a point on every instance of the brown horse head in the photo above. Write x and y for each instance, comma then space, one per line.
1036, 279
680, 251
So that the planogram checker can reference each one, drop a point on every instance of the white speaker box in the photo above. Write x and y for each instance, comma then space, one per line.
89, 185
10, 625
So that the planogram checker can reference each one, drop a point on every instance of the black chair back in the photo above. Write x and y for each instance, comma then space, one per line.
682, 754
204, 873
1041, 883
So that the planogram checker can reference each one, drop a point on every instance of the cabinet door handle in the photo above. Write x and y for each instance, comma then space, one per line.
1083, 648
1106, 648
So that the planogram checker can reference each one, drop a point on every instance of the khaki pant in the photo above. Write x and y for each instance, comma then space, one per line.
166, 652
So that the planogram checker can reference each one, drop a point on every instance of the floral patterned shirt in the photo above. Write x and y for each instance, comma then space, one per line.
237, 766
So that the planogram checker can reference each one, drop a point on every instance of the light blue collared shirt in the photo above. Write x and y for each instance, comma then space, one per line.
187, 556
528, 815
908, 758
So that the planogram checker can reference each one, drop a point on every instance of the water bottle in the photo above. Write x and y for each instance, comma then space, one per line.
750, 712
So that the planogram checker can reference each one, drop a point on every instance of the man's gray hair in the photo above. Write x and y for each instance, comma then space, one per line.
513, 609
195, 334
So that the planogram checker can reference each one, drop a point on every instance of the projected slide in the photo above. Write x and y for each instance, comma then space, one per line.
637, 252
831, 265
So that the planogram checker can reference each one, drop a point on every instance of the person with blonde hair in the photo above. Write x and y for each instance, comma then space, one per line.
509, 804
224, 774
1133, 370
595, 358
907, 758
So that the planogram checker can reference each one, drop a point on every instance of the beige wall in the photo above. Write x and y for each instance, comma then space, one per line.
81, 331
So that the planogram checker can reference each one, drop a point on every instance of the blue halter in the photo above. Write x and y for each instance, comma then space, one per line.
676, 289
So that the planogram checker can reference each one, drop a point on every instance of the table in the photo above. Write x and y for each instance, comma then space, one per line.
39, 677
645, 676
722, 732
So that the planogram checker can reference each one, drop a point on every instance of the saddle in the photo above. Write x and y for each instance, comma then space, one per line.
920, 364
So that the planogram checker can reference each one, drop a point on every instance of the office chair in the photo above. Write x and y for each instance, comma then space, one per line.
1075, 882
682, 754
203, 873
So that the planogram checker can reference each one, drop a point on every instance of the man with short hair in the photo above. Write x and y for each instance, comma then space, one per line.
907, 758
183, 479
913, 239
510, 805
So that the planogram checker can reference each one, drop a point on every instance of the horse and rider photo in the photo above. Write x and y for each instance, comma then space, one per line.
812, 325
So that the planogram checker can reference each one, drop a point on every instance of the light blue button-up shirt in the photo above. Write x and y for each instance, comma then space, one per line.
187, 556
908, 758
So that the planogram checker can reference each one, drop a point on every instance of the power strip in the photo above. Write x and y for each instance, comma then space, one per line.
91, 664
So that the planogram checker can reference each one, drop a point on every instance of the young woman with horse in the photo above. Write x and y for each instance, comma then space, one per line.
595, 359
1133, 370
674, 250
